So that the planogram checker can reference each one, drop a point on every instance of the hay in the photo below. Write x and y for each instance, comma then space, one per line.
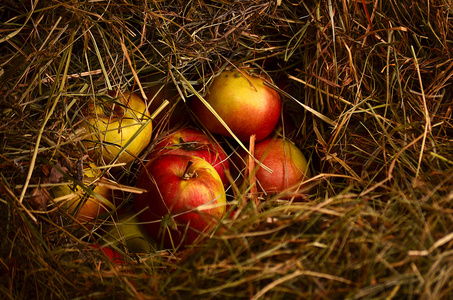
372, 80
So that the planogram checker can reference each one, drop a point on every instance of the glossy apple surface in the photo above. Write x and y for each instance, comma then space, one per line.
185, 197
84, 205
243, 102
124, 123
193, 142
287, 162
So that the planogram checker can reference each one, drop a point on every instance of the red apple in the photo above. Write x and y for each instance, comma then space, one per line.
193, 142
111, 254
184, 199
287, 162
243, 102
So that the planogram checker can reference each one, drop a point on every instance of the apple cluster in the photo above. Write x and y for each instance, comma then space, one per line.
248, 106
185, 174
117, 129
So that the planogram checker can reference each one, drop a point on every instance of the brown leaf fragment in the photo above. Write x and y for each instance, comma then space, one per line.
40, 196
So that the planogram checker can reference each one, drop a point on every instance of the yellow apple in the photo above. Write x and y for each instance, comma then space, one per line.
129, 231
88, 203
120, 129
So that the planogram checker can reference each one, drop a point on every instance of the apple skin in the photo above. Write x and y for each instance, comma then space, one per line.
286, 160
130, 232
85, 208
194, 202
112, 255
111, 132
243, 102
187, 141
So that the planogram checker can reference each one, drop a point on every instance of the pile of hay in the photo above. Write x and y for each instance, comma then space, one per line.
366, 89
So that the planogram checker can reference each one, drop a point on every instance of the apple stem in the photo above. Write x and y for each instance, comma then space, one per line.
186, 174
188, 146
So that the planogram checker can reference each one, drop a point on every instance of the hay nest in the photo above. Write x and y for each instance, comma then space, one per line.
366, 88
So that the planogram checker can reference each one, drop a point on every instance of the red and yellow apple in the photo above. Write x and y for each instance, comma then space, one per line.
287, 162
118, 129
185, 198
193, 142
244, 103
87, 203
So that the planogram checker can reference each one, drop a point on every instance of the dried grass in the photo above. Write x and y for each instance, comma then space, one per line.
377, 224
